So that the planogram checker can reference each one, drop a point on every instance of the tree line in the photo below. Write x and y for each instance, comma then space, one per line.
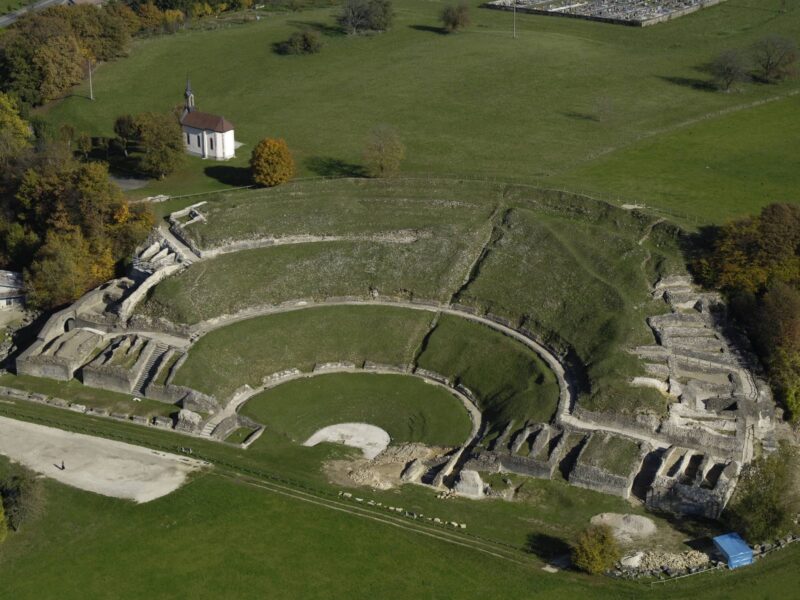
45, 53
63, 222
756, 262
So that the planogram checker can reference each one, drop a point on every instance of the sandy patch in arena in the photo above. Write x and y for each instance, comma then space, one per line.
94, 464
370, 439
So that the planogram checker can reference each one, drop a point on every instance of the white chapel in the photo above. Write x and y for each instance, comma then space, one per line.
204, 134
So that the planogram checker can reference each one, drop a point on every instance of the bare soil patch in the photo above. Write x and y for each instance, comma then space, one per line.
95, 464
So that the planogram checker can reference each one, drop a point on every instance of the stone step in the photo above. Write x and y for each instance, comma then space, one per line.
150, 370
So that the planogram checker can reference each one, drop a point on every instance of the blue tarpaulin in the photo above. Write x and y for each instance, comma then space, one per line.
735, 550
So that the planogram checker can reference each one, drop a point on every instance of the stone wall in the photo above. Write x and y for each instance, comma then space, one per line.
108, 377
127, 306
50, 367
643, 424
600, 480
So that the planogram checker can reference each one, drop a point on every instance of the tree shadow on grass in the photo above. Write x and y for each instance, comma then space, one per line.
547, 547
326, 166
572, 114
229, 175
694, 83
322, 28
429, 29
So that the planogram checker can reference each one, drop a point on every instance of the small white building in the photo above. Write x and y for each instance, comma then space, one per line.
204, 134
12, 292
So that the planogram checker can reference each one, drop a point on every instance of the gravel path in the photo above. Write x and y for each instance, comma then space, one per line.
94, 464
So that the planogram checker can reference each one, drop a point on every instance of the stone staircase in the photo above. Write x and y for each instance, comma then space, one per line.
208, 428
151, 368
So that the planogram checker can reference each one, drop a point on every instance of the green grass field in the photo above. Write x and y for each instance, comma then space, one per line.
270, 538
614, 454
344, 208
408, 409
247, 351
429, 269
566, 95
78, 393
700, 172
510, 381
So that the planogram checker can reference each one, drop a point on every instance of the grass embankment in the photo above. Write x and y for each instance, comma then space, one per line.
510, 381
439, 233
342, 208
408, 409
76, 392
247, 351
546, 107
575, 271
582, 285
239, 525
429, 269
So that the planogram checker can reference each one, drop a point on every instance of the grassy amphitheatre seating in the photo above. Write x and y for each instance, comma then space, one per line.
408, 409
509, 380
573, 271
340, 208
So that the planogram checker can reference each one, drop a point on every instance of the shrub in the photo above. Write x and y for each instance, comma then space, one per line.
775, 57
596, 550
765, 501
3, 524
271, 163
23, 497
366, 15
455, 17
301, 42
728, 68
384, 152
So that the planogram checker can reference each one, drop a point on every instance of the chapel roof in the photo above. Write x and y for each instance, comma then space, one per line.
201, 120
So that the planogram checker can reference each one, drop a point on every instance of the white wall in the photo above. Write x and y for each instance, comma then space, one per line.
209, 144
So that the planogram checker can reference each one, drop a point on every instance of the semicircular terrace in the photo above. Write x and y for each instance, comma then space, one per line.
574, 271
509, 380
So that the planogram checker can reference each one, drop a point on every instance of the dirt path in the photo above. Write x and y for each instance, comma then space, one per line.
94, 464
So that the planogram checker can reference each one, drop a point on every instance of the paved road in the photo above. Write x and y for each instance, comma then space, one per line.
10, 18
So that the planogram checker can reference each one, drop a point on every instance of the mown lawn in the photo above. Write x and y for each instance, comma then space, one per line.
214, 537
544, 108
76, 392
709, 172
408, 409
510, 381
247, 351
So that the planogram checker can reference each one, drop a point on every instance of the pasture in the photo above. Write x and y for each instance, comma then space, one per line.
551, 107
267, 536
